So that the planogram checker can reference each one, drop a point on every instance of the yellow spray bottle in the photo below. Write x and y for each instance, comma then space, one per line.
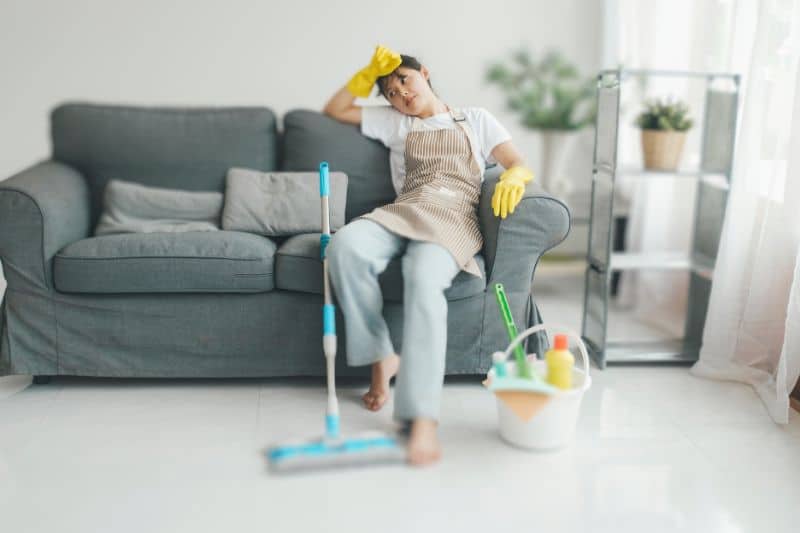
559, 363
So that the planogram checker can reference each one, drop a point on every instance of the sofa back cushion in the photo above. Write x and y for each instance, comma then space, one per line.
281, 204
311, 137
136, 208
176, 148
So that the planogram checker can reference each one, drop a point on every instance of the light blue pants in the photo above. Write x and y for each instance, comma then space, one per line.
357, 254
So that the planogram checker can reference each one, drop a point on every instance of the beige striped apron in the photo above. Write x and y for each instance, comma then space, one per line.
439, 199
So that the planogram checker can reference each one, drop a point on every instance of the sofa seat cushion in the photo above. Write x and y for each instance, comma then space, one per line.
298, 268
197, 261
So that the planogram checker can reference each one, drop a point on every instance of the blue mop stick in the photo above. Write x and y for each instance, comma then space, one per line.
328, 310
332, 449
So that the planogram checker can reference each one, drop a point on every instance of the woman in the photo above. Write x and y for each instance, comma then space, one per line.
438, 156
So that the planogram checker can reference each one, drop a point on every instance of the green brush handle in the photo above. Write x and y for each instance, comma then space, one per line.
524, 370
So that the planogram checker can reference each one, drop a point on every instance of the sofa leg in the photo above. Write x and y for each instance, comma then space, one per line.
41, 380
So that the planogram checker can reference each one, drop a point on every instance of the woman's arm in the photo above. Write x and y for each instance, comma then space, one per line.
384, 61
507, 155
341, 107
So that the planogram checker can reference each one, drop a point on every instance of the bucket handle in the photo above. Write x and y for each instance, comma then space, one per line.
540, 327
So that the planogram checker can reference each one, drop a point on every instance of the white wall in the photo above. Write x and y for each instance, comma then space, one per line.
279, 54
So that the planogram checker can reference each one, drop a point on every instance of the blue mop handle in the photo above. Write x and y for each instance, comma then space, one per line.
324, 179
324, 189
328, 309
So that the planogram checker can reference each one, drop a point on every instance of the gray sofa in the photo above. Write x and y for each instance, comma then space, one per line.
216, 304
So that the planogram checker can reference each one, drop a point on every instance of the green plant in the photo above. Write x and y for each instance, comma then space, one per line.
548, 94
664, 114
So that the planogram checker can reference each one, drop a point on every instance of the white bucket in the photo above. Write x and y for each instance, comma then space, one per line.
553, 426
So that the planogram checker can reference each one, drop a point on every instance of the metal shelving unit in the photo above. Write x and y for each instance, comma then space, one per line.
713, 175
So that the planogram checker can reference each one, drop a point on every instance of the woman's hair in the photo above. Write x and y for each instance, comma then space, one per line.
408, 62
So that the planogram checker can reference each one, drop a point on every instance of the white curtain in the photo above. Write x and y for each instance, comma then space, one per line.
752, 331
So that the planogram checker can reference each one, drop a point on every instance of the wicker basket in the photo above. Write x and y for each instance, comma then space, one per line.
662, 148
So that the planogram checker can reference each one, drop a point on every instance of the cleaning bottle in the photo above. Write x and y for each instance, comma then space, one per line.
559, 363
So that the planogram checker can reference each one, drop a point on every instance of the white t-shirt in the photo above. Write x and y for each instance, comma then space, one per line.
390, 126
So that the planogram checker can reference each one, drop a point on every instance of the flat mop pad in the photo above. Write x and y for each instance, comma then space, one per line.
362, 450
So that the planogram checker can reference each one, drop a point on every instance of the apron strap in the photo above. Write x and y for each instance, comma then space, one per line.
461, 121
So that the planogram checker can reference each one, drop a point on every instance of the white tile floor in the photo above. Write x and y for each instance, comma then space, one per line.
656, 450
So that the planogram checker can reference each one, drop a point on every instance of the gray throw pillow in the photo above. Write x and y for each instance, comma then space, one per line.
134, 208
277, 204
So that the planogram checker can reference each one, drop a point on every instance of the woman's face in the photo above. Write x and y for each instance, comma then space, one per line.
408, 90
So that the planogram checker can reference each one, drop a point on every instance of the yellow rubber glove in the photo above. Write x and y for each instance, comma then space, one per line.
384, 61
509, 190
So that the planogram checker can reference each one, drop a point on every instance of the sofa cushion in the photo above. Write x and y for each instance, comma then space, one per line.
280, 204
170, 147
298, 268
311, 137
134, 208
217, 261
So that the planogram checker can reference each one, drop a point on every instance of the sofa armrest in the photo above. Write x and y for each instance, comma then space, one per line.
42, 209
512, 246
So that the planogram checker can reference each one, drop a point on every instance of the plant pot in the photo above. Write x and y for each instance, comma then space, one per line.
662, 148
556, 146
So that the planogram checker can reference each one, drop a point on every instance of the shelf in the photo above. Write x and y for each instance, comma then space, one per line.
720, 181
670, 350
708, 173
650, 261
656, 351
715, 179
701, 266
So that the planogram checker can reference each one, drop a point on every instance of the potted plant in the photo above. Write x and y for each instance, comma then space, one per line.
550, 96
664, 124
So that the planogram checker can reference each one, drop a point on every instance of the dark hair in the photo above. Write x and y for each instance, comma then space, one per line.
408, 62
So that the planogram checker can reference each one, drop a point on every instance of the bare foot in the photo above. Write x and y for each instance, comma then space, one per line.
382, 371
423, 444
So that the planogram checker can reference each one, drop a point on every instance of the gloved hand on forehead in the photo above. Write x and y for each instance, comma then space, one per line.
384, 61
509, 190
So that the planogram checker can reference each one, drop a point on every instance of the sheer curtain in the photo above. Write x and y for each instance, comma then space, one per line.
752, 330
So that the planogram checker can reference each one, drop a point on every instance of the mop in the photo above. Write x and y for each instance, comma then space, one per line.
332, 450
